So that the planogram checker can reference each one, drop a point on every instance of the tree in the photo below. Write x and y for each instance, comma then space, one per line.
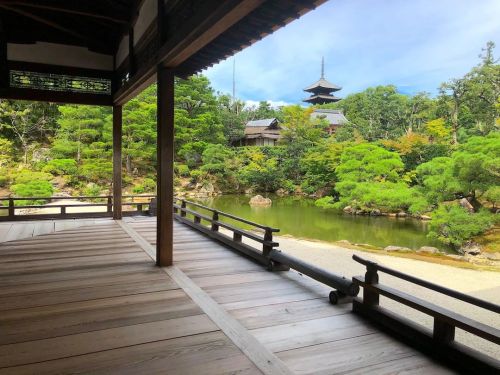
454, 225
139, 132
27, 122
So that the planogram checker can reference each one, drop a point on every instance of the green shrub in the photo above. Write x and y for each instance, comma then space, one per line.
61, 167
25, 176
196, 174
92, 190
182, 170
326, 202
138, 189
4, 180
454, 225
288, 185
29, 189
149, 185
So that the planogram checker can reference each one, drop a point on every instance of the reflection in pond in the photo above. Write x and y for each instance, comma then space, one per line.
299, 217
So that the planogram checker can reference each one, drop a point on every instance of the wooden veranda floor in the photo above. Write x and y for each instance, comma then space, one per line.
90, 299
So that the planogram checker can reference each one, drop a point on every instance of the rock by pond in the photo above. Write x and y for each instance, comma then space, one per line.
259, 200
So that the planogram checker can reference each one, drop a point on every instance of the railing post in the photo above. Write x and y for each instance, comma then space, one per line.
63, 210
110, 204
197, 219
237, 237
139, 207
215, 218
268, 237
370, 297
443, 332
11, 208
183, 206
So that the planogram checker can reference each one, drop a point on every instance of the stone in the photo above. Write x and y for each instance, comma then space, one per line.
348, 210
428, 249
396, 248
466, 204
425, 217
402, 214
392, 214
375, 212
491, 256
470, 248
259, 200
281, 192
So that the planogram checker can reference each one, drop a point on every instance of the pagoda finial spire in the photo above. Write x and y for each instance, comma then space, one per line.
322, 66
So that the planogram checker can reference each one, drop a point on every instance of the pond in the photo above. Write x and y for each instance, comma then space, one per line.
299, 217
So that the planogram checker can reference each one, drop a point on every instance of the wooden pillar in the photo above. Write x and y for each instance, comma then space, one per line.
165, 171
4, 70
117, 162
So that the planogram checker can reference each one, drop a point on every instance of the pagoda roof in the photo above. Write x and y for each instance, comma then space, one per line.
321, 98
322, 83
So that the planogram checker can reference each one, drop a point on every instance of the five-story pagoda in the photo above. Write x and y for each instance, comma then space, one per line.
321, 91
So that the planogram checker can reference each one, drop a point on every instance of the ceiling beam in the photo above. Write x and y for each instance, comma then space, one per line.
44, 21
212, 19
67, 10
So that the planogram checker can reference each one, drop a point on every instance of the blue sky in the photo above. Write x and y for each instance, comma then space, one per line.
413, 44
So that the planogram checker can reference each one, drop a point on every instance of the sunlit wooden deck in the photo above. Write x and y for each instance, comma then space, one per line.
90, 299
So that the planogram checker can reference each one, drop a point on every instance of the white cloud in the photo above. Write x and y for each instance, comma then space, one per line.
418, 43
272, 103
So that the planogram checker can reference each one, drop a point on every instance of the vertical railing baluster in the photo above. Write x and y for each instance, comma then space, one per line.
110, 204
215, 218
371, 297
183, 207
139, 207
63, 210
443, 332
268, 237
12, 210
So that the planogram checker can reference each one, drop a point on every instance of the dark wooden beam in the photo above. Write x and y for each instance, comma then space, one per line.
68, 11
165, 166
45, 22
4, 70
117, 162
211, 19
59, 69
131, 52
55, 96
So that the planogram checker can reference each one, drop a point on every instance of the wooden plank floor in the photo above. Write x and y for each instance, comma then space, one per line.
289, 313
90, 300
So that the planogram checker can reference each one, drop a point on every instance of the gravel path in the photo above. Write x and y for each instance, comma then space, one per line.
482, 284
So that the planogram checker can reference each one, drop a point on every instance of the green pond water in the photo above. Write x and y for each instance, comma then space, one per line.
299, 217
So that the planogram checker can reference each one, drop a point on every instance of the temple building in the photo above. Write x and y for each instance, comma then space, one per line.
321, 91
265, 132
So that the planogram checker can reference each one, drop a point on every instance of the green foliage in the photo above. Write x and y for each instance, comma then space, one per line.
261, 172
454, 225
138, 189
437, 181
492, 195
4, 180
182, 170
92, 190
149, 185
97, 170
60, 167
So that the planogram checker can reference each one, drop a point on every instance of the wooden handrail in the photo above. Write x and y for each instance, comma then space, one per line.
107, 201
426, 284
442, 338
270, 256
228, 215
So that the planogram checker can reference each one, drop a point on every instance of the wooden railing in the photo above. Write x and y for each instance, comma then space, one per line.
441, 340
106, 201
210, 220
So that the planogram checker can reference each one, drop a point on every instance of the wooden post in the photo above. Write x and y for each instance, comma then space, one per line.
165, 171
4, 70
117, 162
63, 210
268, 236
371, 298
110, 203
183, 205
215, 217
11, 208
443, 332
